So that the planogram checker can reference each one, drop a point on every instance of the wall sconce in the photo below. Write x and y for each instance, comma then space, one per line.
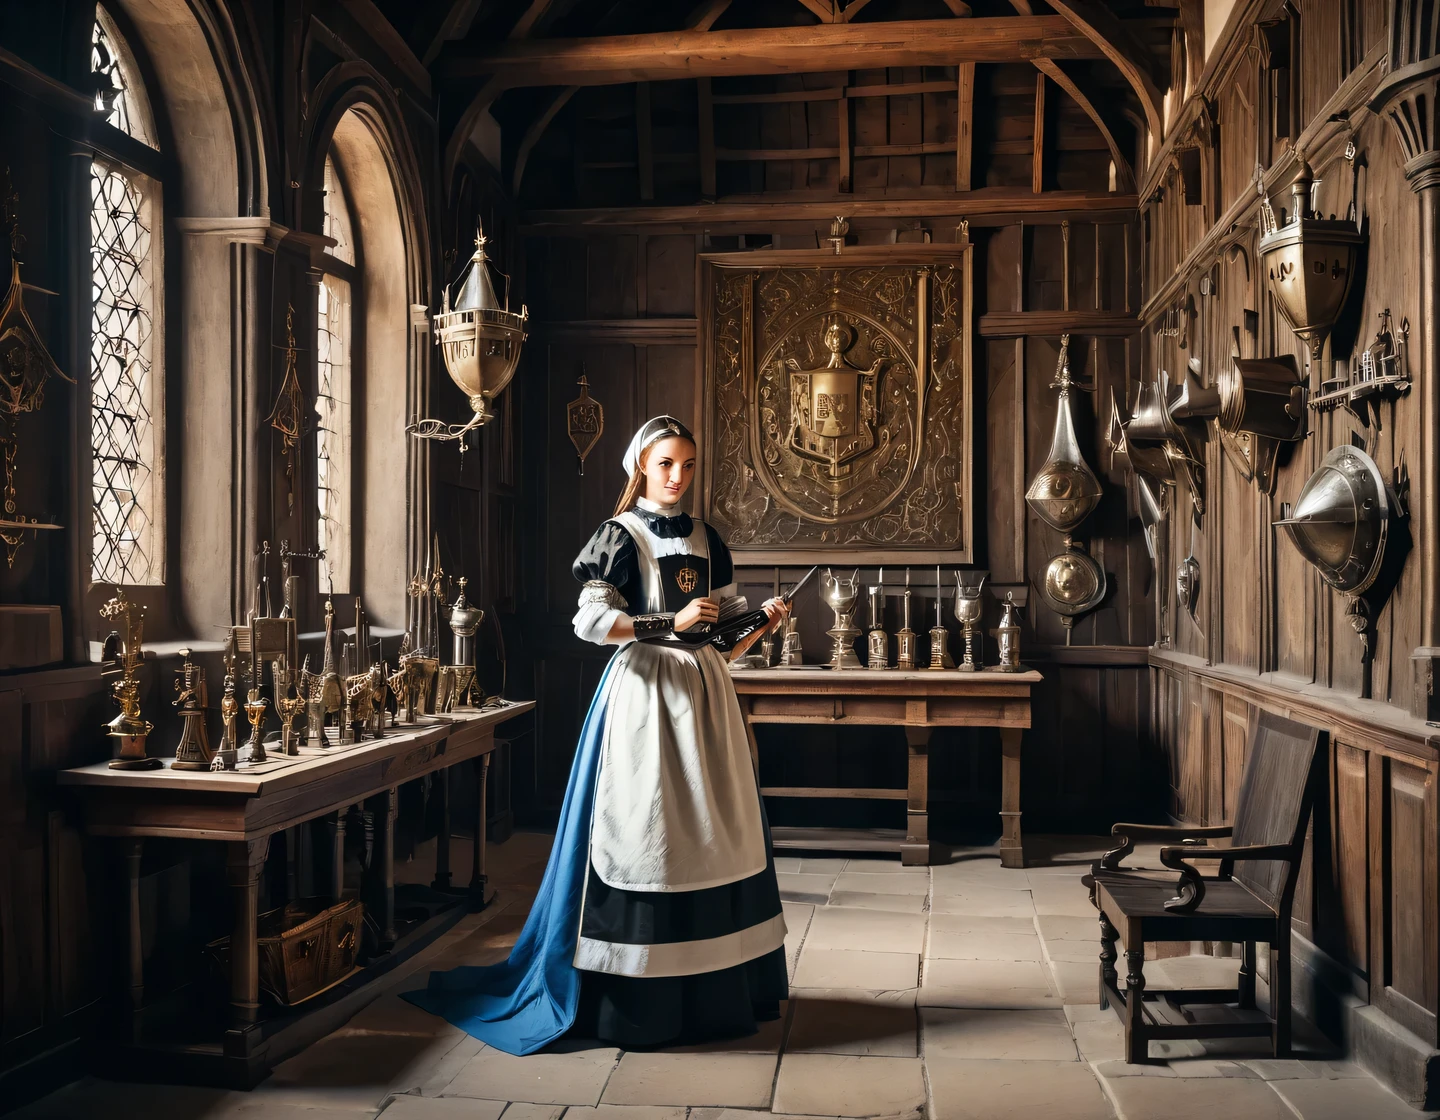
1309, 261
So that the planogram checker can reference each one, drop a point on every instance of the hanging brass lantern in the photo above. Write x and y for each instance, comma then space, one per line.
1309, 260
1065, 490
480, 338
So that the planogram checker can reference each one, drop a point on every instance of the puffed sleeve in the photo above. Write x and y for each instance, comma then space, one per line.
722, 576
608, 568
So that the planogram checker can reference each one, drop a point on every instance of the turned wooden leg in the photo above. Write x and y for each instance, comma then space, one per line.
916, 850
337, 854
477, 867
1137, 1048
133, 851
1109, 978
1246, 983
442, 837
387, 868
1012, 850
244, 861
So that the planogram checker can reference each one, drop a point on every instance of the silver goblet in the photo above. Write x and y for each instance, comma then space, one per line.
840, 595
969, 608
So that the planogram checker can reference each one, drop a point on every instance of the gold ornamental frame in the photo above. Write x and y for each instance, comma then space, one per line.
898, 323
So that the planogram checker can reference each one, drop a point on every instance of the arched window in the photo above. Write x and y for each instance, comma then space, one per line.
127, 476
333, 394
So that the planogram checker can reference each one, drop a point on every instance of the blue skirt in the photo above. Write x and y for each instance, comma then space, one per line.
538, 993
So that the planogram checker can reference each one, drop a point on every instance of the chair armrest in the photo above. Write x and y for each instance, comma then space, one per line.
1191, 888
1129, 833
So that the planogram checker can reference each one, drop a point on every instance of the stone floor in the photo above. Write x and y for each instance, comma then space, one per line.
960, 991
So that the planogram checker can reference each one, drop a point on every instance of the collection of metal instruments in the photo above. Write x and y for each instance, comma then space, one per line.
841, 593
350, 699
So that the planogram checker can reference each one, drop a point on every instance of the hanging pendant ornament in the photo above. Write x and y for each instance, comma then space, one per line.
25, 367
1065, 489
288, 415
480, 339
584, 420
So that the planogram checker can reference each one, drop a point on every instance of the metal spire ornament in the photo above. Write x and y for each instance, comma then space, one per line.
481, 340
1065, 489
25, 367
288, 415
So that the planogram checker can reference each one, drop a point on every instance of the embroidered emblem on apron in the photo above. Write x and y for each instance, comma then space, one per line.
686, 579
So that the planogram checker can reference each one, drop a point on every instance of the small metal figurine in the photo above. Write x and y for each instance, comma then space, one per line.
128, 729
227, 755
378, 690
969, 608
289, 704
879, 641
840, 595
1007, 634
905, 636
939, 636
464, 621
255, 706
193, 751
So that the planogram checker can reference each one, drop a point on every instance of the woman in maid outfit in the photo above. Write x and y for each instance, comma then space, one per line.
659, 917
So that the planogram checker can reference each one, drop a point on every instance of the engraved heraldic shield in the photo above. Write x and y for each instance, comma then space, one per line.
832, 410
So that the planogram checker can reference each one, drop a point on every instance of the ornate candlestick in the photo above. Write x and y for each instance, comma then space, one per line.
879, 641
287, 707
128, 729
227, 755
792, 654
905, 636
840, 595
969, 608
939, 637
193, 751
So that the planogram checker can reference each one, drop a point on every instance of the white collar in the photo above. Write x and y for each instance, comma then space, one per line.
655, 507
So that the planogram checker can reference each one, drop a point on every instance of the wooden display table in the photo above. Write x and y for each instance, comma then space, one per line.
918, 700
244, 808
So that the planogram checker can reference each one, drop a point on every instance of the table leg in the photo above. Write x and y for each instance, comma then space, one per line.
245, 860
915, 852
387, 868
133, 851
337, 853
442, 837
1012, 851
477, 868
745, 703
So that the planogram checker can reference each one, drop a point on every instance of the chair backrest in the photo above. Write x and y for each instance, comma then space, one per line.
1276, 794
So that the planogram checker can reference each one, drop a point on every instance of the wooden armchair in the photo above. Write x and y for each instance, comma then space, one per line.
1248, 900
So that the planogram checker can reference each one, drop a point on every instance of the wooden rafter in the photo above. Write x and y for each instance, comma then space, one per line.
492, 89
1037, 141
536, 130
704, 15
1101, 26
455, 25
610, 60
958, 7
826, 11
964, 125
852, 9
1124, 175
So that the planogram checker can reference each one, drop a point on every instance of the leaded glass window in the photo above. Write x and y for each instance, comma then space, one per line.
127, 475
120, 95
333, 439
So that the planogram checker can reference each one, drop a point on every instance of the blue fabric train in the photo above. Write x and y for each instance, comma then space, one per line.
531, 998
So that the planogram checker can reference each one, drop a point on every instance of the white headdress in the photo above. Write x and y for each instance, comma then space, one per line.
652, 432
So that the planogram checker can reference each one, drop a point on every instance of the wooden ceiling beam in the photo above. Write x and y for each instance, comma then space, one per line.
455, 25
823, 10
958, 7
703, 16
1116, 42
612, 60
1124, 174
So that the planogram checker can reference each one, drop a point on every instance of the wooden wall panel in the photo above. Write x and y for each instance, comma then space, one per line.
1409, 807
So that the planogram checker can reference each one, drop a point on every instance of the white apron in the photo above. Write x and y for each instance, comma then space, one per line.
676, 803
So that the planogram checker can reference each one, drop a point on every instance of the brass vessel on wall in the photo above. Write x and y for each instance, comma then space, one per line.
1065, 490
1309, 260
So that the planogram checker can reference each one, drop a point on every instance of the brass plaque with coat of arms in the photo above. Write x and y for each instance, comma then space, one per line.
837, 404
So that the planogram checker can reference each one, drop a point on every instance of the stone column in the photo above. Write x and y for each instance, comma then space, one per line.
1410, 100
